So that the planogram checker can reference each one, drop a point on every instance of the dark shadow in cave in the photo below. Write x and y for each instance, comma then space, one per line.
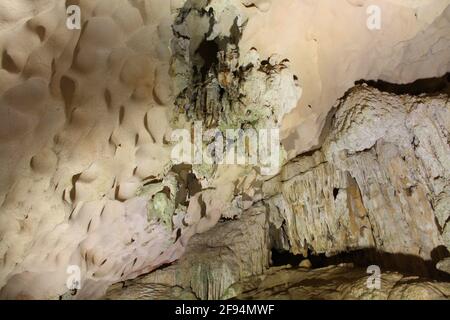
430, 86
408, 265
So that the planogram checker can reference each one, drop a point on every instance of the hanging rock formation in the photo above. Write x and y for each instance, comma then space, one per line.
380, 180
378, 184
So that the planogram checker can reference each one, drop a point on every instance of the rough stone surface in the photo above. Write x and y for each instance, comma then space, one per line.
381, 179
336, 283
213, 261
88, 179
85, 127
316, 34
377, 183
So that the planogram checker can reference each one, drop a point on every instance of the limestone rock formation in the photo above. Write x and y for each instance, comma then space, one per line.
89, 189
330, 46
444, 265
213, 261
377, 183
380, 180
95, 187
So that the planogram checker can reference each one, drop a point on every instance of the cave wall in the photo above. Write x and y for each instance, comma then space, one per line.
85, 120
375, 194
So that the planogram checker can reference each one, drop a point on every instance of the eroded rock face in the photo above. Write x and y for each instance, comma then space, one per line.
87, 178
216, 83
381, 180
377, 183
338, 282
83, 145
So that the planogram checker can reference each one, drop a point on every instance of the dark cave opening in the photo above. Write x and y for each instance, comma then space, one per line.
208, 51
428, 86
409, 265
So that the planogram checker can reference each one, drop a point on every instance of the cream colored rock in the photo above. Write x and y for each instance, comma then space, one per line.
330, 283
306, 264
330, 47
81, 147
